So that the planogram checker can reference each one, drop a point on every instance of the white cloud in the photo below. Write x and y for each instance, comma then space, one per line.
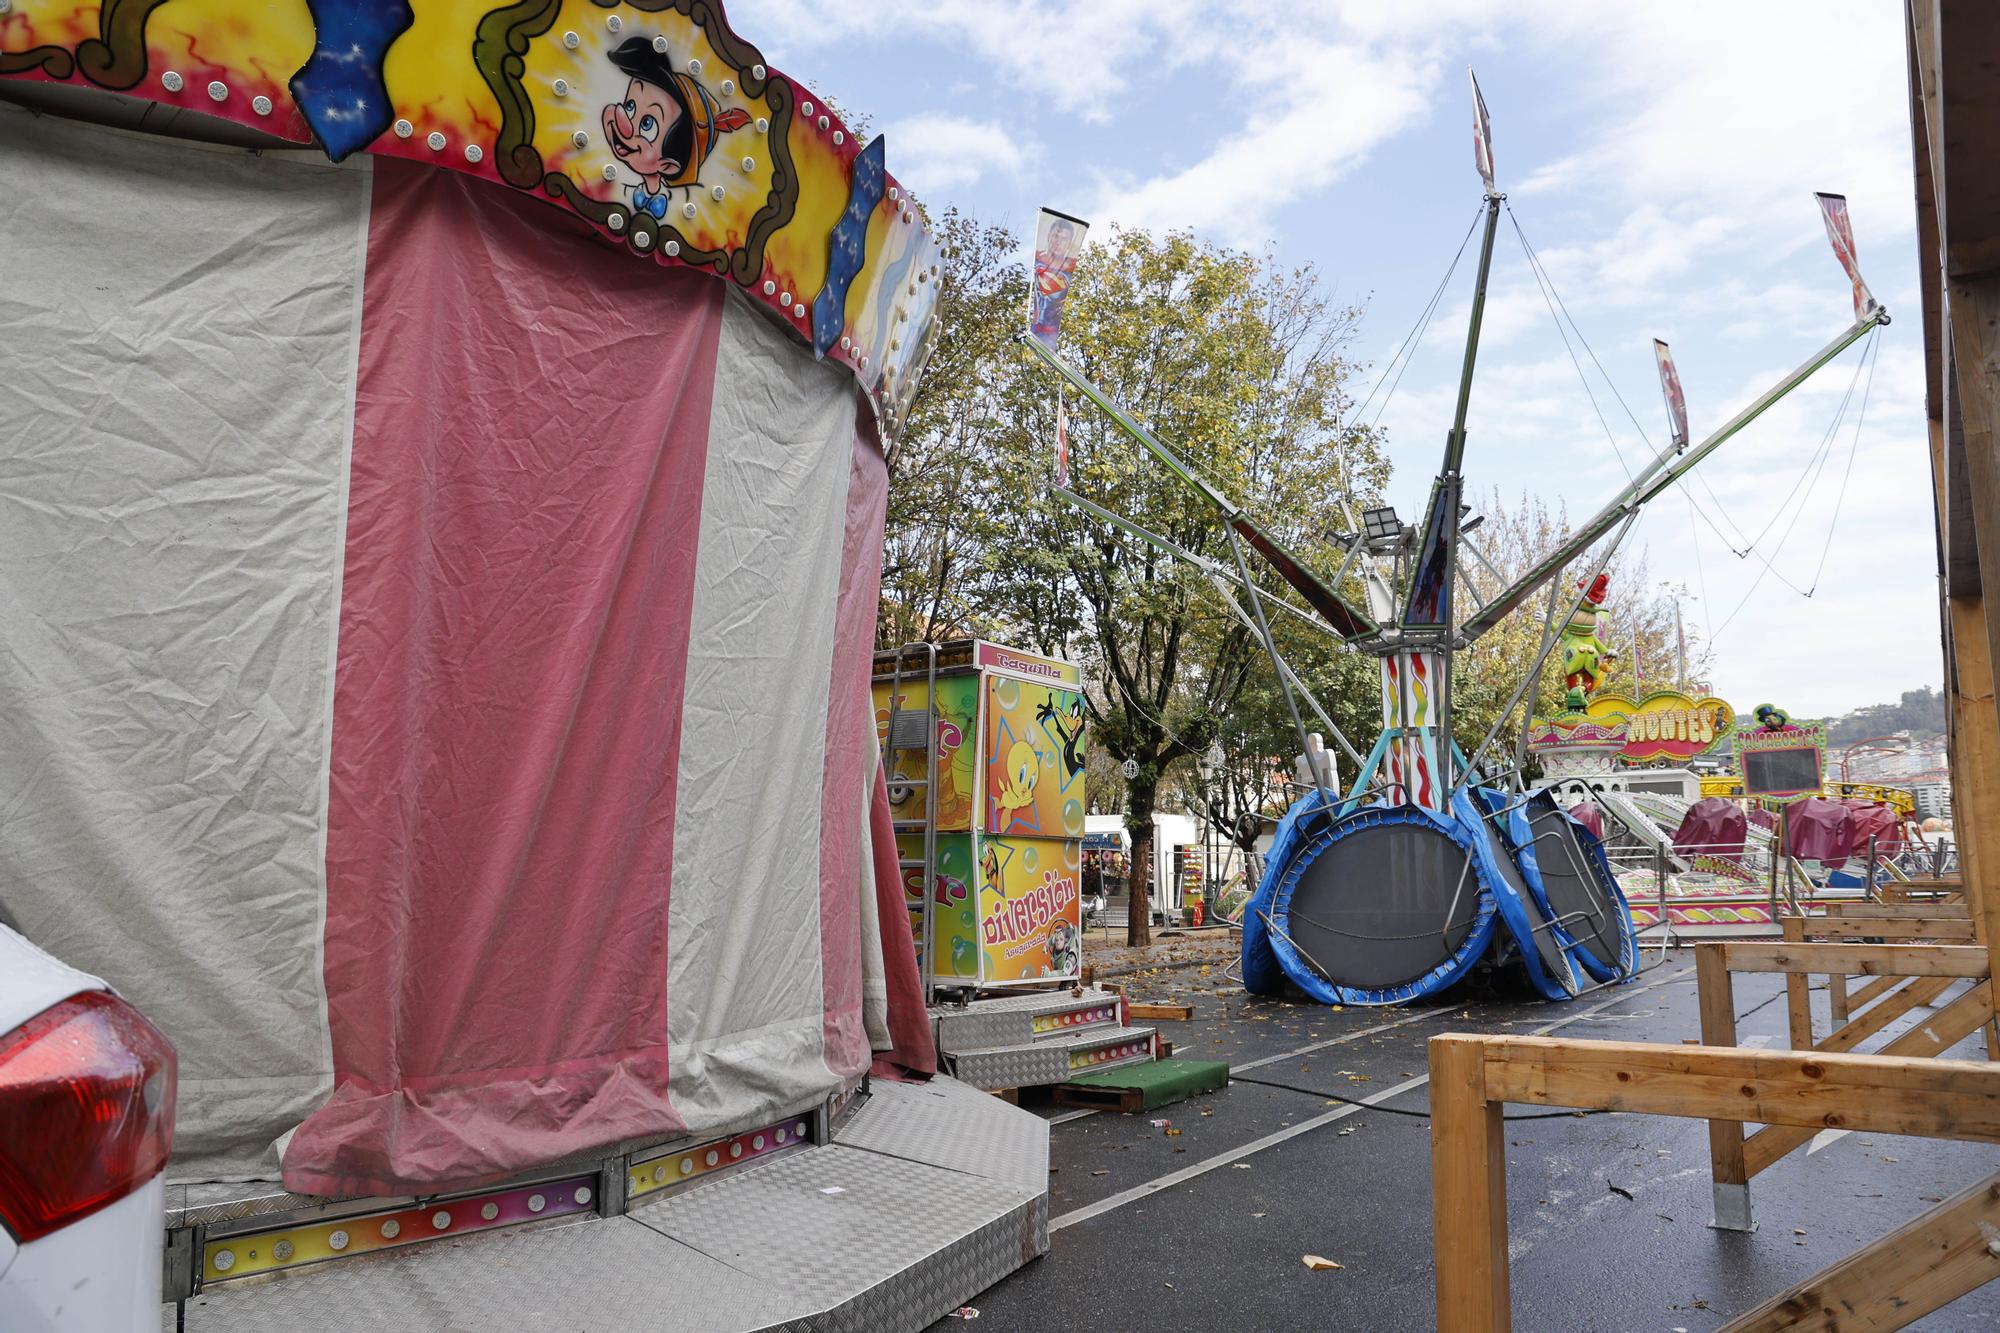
947, 152
1272, 151
1661, 157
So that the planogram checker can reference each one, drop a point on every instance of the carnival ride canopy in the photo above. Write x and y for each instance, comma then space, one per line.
1819, 830
1589, 816
1872, 819
1713, 825
436, 687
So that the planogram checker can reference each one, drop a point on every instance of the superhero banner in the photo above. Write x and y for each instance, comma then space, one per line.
1058, 241
1482, 134
1840, 231
1670, 389
1030, 912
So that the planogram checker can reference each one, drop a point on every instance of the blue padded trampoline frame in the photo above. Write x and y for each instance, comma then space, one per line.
1525, 856
1518, 915
1284, 881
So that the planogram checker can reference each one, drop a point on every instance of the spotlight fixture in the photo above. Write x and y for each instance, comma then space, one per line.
1380, 525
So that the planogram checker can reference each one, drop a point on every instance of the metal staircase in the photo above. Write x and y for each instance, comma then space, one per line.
913, 729
1020, 1041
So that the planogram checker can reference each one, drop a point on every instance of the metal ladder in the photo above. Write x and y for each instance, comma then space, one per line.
911, 729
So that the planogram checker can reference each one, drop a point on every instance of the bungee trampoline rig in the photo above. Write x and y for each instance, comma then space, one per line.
1433, 861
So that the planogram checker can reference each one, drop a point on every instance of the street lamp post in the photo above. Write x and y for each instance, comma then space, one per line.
1209, 766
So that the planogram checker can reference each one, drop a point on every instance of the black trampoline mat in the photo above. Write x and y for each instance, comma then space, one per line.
1554, 962
1370, 908
1586, 911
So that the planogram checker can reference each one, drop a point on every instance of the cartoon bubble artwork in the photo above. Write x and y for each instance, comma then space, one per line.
1034, 750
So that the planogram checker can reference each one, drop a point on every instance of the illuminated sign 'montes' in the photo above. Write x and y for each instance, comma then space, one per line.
1666, 724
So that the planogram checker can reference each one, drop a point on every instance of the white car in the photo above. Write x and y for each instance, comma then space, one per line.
86, 1119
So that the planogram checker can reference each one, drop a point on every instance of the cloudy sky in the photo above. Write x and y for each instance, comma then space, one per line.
1661, 160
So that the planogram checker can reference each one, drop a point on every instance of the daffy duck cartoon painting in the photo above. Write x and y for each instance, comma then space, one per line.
665, 126
1066, 727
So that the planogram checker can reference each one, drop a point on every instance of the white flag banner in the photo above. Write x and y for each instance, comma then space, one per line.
1482, 134
1840, 231
1670, 388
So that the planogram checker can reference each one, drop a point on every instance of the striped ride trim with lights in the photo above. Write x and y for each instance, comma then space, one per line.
652, 1174
252, 1253
1076, 1018
1119, 1053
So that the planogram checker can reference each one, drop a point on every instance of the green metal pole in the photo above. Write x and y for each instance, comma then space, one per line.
1661, 473
1442, 524
1331, 606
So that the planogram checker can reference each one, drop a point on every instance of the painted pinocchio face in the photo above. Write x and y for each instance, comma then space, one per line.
639, 126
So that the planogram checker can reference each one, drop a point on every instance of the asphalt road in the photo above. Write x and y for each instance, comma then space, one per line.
1205, 1229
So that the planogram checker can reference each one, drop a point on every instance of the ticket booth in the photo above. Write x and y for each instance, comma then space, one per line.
983, 746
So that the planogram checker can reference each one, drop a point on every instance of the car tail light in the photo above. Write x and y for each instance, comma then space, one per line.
86, 1111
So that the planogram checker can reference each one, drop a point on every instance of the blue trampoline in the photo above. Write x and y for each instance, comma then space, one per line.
1387, 904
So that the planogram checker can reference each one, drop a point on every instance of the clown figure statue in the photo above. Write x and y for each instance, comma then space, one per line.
1583, 652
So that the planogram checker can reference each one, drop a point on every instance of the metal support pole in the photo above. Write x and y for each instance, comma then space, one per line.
1535, 682
1450, 484
1777, 855
1549, 639
1344, 618
1284, 683
1870, 890
1666, 919
1662, 472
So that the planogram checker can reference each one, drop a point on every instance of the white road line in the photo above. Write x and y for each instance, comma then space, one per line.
1351, 1036
1272, 1140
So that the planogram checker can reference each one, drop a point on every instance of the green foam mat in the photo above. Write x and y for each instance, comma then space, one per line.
1155, 1083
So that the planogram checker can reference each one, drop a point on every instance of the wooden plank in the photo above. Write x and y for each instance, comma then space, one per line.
1898, 911
1798, 1002
1885, 961
1947, 1099
1716, 995
1468, 1191
1129, 1101
1921, 1044
1918, 1268
1871, 991
1919, 991
1849, 928
1975, 759
1836, 997
1168, 1012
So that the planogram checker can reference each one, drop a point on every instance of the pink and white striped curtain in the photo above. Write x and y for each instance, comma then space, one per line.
436, 671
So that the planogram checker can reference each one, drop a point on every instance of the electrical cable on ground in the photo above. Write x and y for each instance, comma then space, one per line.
1426, 1115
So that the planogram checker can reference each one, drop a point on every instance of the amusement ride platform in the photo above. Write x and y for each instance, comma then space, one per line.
886, 1213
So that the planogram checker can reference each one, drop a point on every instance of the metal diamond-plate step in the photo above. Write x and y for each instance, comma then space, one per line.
946, 1123
1054, 1060
1012, 1019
